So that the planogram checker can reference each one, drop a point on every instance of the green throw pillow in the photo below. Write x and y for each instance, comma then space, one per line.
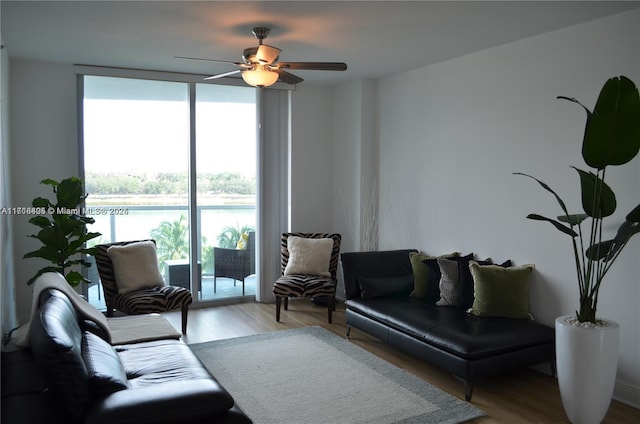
421, 272
501, 292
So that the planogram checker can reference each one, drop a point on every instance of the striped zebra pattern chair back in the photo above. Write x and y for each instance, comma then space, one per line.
309, 286
144, 301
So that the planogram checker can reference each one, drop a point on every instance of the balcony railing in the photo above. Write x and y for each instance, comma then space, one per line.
130, 222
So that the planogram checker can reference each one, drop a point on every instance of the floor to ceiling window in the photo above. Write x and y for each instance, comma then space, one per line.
138, 163
226, 186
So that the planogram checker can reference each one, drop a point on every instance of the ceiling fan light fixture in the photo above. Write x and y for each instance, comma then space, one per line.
260, 77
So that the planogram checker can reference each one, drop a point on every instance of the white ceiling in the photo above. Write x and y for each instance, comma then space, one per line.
375, 38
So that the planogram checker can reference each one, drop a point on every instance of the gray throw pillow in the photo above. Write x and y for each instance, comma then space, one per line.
449, 283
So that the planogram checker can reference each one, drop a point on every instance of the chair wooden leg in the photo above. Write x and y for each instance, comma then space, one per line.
286, 303
185, 316
214, 283
278, 300
330, 306
243, 286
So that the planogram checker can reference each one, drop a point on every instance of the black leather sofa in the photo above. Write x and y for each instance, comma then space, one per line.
71, 375
465, 345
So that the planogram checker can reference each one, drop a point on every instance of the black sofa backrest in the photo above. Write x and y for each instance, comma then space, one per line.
388, 263
56, 340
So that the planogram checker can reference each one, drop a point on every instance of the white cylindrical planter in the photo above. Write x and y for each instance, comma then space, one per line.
587, 361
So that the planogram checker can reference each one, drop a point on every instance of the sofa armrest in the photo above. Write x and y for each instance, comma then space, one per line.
170, 402
389, 263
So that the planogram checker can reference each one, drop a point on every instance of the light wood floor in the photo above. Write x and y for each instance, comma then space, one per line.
525, 396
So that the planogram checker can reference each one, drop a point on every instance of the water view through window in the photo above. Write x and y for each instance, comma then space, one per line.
137, 173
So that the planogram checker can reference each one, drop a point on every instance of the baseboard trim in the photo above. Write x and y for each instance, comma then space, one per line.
623, 391
627, 393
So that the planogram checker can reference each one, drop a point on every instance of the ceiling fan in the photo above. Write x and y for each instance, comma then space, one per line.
260, 66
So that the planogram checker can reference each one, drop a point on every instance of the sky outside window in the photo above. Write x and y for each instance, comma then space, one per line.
133, 125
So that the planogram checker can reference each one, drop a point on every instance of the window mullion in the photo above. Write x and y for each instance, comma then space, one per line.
194, 221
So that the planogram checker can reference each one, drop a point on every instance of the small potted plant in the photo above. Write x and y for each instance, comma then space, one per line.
587, 345
63, 230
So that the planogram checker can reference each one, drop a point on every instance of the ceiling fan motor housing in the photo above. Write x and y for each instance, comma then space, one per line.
261, 33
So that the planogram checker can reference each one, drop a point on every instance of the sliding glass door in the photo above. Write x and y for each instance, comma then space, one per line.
138, 158
226, 186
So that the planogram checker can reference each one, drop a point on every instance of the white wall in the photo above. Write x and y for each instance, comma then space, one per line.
451, 135
44, 144
355, 161
355, 146
311, 197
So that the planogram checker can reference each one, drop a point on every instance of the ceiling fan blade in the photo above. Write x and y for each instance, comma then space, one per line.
317, 66
212, 60
225, 74
288, 77
267, 54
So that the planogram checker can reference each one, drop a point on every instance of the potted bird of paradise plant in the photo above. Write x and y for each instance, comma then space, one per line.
586, 344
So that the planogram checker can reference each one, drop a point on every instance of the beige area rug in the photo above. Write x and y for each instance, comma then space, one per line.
310, 375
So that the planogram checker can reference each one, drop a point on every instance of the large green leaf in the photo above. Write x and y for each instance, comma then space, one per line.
634, 215
573, 219
612, 133
40, 221
41, 202
74, 278
52, 237
54, 256
69, 224
76, 245
546, 187
627, 230
91, 251
600, 250
558, 225
593, 187
69, 193
49, 181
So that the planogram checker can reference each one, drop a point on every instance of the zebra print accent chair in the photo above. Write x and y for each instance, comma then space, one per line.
144, 301
309, 286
